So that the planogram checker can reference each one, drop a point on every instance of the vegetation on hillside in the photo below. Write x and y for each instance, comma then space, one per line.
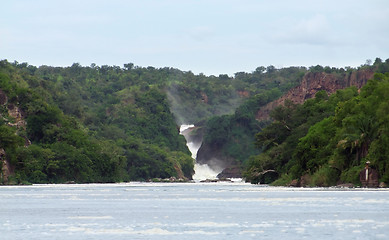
89, 125
107, 123
327, 140
291, 122
110, 124
233, 135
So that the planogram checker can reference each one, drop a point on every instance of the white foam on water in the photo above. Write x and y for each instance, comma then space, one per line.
211, 224
184, 127
91, 217
199, 232
155, 231
131, 231
263, 225
203, 172
251, 232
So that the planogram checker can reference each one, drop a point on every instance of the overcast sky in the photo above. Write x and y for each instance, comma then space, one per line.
203, 36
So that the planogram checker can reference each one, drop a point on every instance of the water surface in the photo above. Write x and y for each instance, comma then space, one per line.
191, 211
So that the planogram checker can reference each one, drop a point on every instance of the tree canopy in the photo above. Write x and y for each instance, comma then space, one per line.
327, 141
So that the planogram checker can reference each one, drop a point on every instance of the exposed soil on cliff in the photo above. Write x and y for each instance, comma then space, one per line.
314, 82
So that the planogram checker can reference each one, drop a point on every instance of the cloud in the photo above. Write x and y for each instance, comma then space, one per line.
212, 37
312, 31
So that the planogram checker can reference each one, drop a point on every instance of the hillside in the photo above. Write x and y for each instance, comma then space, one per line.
105, 123
228, 139
236, 147
112, 124
87, 124
327, 140
317, 81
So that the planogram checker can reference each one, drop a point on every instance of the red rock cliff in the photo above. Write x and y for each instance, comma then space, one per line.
314, 82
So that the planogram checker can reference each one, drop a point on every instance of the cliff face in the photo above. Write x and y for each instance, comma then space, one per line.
213, 155
314, 82
6, 169
13, 117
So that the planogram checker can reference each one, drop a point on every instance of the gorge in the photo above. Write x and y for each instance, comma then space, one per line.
114, 124
201, 171
310, 84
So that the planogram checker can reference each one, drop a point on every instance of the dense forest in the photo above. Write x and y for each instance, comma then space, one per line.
87, 125
105, 123
229, 138
327, 140
112, 124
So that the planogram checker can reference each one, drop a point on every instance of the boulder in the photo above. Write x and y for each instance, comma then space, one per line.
231, 172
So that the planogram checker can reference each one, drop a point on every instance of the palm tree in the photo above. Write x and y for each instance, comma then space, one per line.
360, 134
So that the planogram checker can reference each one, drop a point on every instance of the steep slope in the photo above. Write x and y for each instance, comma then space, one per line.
86, 125
217, 154
228, 140
317, 81
327, 140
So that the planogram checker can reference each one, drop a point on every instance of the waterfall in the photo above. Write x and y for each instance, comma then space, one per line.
202, 171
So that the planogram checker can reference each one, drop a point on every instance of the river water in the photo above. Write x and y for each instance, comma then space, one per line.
191, 211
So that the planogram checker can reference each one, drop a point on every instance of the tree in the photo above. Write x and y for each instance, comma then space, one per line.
129, 66
9, 140
360, 133
314, 149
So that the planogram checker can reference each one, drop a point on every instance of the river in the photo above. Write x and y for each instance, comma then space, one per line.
191, 211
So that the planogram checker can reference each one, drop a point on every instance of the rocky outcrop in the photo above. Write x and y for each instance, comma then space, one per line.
6, 169
243, 94
17, 115
231, 172
13, 117
204, 98
314, 82
213, 156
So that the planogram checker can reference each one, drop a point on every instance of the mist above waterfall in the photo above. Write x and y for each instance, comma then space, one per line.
195, 101
202, 171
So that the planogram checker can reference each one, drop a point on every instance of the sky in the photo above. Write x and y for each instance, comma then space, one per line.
203, 36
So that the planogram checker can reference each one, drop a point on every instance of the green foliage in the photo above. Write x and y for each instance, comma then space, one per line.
351, 175
41, 123
109, 124
148, 161
329, 139
215, 96
84, 123
258, 164
234, 134
325, 176
9, 141
8, 138
284, 180
313, 149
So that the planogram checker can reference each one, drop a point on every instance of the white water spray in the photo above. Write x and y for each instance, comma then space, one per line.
202, 171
